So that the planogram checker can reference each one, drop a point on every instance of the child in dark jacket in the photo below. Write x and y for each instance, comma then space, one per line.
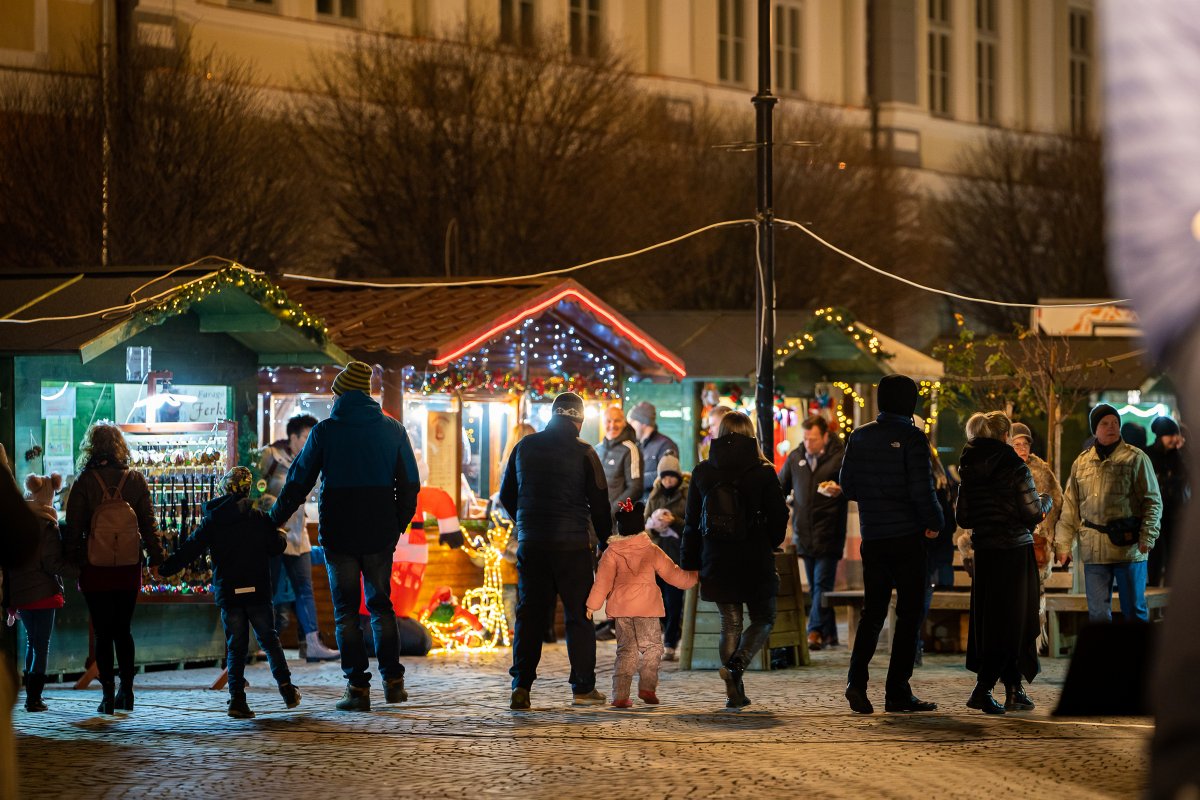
35, 589
242, 541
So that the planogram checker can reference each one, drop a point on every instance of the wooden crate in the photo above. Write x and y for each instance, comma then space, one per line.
700, 644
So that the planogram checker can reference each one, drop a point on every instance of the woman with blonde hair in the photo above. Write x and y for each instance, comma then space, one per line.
735, 519
110, 519
998, 501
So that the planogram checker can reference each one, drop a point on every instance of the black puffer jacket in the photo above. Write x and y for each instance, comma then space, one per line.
818, 522
555, 488
997, 500
242, 541
888, 471
735, 571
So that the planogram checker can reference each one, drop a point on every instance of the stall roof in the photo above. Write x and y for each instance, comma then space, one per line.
719, 345
62, 295
437, 324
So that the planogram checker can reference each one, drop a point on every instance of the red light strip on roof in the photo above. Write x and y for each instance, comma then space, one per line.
542, 306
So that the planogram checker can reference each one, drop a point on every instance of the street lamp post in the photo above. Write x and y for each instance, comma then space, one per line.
764, 293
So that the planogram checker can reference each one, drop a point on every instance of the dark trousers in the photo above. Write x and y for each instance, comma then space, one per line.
672, 624
299, 574
237, 621
889, 564
542, 575
739, 646
39, 626
349, 577
112, 620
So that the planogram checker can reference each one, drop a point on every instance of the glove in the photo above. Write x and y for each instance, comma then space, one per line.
453, 539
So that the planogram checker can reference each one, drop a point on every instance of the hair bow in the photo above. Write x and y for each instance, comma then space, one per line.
625, 505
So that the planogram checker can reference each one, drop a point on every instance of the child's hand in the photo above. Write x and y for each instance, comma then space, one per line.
589, 613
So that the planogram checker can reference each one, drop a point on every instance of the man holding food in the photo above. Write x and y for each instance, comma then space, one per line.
809, 476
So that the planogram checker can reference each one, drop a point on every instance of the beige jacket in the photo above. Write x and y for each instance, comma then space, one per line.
1123, 485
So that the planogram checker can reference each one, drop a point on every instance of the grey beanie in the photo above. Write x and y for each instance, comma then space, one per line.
1021, 429
669, 465
643, 412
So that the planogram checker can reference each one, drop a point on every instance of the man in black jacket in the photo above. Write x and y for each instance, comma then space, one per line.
554, 488
888, 471
810, 476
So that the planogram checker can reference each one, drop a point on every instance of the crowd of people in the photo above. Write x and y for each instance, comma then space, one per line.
718, 527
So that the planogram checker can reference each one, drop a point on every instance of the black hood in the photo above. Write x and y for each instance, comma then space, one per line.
983, 458
228, 507
734, 451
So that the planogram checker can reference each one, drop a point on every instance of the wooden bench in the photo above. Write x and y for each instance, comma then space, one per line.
700, 643
1067, 613
852, 601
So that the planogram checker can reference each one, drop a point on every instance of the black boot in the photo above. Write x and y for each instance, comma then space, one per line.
34, 682
290, 694
107, 701
1015, 699
731, 673
238, 708
981, 699
124, 697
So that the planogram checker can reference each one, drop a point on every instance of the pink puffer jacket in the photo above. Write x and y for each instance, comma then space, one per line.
626, 577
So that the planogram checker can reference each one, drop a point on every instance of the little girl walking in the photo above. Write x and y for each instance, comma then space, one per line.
626, 578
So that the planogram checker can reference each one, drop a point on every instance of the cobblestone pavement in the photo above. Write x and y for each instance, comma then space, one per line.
456, 737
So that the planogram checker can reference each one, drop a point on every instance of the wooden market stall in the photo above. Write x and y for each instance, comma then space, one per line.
178, 374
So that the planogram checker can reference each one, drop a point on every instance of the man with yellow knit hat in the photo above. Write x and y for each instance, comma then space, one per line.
368, 496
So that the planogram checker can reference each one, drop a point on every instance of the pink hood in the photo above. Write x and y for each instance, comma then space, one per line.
626, 577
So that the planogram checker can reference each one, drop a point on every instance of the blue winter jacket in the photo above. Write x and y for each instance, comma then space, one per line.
369, 478
554, 488
888, 471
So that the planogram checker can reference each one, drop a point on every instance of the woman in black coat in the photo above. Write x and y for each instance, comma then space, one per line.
997, 500
736, 567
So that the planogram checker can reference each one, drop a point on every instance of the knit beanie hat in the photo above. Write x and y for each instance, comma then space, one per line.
569, 405
237, 481
669, 465
1098, 413
643, 412
897, 394
1165, 426
355, 377
631, 517
1021, 429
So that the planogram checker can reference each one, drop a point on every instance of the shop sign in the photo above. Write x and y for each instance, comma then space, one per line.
181, 404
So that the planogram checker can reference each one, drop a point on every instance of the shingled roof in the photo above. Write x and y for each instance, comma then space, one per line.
434, 324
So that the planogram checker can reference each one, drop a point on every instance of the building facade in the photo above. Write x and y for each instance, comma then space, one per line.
927, 77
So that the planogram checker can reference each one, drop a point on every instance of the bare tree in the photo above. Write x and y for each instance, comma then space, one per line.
1027, 222
200, 164
507, 160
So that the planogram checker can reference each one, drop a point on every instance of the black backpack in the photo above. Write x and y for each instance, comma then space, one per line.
724, 514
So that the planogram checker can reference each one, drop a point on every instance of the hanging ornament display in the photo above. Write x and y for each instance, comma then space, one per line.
839, 319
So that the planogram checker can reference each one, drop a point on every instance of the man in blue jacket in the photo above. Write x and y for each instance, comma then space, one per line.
887, 470
554, 488
368, 497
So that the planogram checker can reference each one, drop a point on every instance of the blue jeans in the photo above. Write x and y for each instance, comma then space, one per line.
374, 570
237, 621
39, 625
821, 574
1131, 588
299, 575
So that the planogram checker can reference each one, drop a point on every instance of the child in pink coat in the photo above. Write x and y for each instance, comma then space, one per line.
626, 578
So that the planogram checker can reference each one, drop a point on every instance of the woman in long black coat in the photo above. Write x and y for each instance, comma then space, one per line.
736, 570
1000, 504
